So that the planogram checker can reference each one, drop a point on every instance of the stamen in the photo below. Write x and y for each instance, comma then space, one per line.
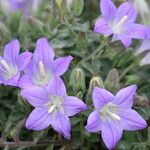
52, 108
121, 22
42, 70
5, 65
114, 116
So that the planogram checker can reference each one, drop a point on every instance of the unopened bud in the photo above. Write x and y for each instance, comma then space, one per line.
69, 4
59, 3
112, 81
35, 23
95, 82
141, 101
77, 7
77, 80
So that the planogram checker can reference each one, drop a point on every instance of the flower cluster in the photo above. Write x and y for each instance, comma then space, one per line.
38, 75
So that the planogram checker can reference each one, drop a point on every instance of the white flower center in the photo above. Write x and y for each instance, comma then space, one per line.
117, 27
8, 70
109, 111
55, 104
44, 77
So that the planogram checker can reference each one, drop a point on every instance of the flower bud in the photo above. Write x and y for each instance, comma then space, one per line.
69, 4
112, 81
95, 82
77, 80
35, 23
76, 6
141, 101
59, 3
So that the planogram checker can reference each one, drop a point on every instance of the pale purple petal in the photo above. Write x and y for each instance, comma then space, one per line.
61, 123
11, 52
132, 120
108, 10
144, 46
137, 31
73, 105
39, 119
13, 80
61, 65
36, 96
124, 98
111, 134
94, 123
23, 60
25, 82
125, 39
101, 26
101, 97
56, 87
126, 9
145, 60
43, 52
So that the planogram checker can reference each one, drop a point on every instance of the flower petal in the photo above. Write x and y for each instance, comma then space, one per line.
124, 98
24, 59
125, 39
43, 52
137, 31
144, 46
108, 10
132, 120
94, 123
101, 26
56, 87
25, 82
61, 123
36, 96
145, 60
13, 80
111, 134
11, 51
61, 65
126, 9
73, 105
39, 119
101, 97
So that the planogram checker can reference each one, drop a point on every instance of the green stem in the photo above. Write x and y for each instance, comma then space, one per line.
126, 70
92, 54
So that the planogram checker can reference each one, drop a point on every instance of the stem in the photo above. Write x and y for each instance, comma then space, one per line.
126, 71
31, 143
91, 55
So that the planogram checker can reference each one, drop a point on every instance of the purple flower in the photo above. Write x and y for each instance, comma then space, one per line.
43, 67
113, 114
26, 6
12, 63
119, 22
145, 60
52, 107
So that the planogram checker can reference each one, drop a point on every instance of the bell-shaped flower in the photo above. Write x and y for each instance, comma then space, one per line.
42, 68
25, 6
113, 114
52, 107
12, 63
119, 22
